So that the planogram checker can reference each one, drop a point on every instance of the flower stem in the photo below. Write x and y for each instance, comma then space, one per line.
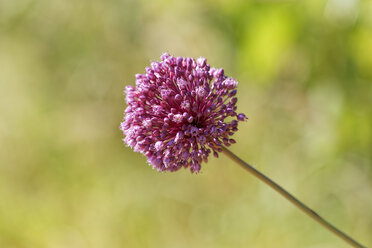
311, 213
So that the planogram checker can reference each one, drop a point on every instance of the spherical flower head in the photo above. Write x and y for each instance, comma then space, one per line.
180, 112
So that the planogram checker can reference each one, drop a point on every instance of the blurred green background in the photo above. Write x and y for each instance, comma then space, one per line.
67, 180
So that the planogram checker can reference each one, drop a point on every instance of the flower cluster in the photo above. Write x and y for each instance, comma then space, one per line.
176, 113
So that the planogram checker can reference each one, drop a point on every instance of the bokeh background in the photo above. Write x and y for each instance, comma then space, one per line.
67, 180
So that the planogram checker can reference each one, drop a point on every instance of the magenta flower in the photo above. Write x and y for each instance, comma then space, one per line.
180, 111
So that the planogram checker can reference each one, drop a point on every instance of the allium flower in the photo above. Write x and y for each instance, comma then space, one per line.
180, 111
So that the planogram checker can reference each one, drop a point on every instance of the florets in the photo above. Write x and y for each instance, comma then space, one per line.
177, 113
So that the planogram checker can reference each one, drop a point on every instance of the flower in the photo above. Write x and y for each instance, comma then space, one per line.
178, 113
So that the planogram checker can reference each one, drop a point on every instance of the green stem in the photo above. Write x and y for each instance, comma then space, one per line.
292, 199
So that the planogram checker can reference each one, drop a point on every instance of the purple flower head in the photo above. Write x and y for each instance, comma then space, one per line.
180, 111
